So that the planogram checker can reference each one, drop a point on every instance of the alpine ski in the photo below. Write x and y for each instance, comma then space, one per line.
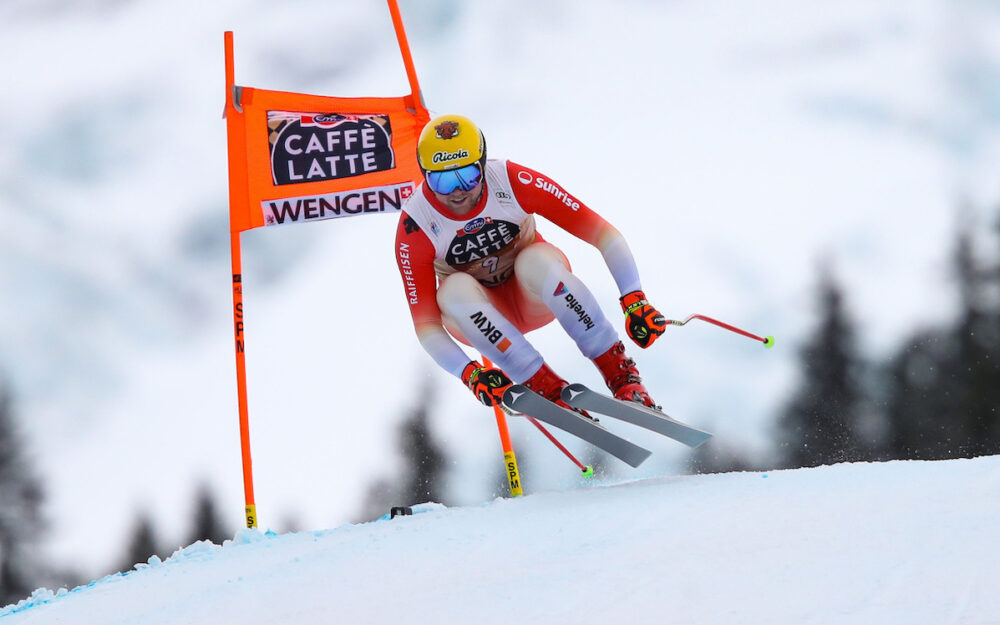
579, 396
522, 399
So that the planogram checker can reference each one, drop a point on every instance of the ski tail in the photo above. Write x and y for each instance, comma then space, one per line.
579, 396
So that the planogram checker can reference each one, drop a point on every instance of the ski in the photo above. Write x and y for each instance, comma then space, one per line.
522, 399
579, 396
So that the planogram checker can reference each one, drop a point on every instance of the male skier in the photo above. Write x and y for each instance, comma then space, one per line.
474, 268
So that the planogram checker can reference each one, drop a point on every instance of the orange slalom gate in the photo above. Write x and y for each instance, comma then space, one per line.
263, 193
510, 459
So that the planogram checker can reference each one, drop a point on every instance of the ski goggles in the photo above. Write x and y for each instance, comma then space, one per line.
464, 178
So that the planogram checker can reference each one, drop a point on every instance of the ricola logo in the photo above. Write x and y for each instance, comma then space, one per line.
474, 225
445, 157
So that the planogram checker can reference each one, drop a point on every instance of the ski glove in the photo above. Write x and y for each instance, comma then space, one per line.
488, 385
643, 323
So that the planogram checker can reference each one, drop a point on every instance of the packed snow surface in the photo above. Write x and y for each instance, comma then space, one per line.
737, 146
899, 542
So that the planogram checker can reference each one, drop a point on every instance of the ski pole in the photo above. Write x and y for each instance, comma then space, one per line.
768, 341
512, 473
587, 470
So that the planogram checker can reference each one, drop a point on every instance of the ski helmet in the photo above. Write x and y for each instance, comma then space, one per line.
450, 142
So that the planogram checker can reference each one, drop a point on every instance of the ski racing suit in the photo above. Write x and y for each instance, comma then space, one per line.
489, 277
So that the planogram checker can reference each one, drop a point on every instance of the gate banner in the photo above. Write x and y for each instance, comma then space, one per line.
296, 157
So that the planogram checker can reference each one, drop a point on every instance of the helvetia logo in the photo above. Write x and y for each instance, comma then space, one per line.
310, 147
574, 304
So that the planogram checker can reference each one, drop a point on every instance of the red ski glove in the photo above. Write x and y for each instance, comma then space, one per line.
643, 323
488, 385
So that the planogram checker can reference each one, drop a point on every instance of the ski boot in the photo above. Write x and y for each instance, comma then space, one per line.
622, 376
549, 385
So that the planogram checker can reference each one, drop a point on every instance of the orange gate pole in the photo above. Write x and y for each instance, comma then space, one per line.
237, 205
404, 49
513, 476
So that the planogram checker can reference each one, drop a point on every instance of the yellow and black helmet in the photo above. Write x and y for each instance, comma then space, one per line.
450, 142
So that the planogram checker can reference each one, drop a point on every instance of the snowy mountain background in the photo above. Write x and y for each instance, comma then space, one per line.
735, 145
895, 543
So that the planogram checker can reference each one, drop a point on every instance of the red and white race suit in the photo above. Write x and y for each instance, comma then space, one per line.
432, 242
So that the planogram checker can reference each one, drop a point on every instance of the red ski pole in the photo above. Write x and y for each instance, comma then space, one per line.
768, 341
586, 469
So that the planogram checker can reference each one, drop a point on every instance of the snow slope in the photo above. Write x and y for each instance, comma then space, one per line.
733, 143
900, 543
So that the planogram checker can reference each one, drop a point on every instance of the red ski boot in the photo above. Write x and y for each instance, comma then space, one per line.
549, 385
622, 377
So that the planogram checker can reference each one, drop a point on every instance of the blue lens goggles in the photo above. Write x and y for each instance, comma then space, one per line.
464, 178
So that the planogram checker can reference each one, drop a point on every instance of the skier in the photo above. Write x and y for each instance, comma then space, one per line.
474, 267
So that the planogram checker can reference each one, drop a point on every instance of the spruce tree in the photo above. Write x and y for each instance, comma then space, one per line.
424, 459
379, 498
976, 372
819, 425
21, 523
421, 476
919, 405
945, 391
142, 545
207, 525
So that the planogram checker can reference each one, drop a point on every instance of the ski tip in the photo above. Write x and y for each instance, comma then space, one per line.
698, 443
